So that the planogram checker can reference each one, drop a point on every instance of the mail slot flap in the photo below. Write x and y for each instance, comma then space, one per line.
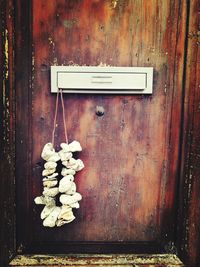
101, 79
112, 81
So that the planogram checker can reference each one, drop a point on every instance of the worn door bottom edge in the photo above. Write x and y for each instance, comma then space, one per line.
108, 260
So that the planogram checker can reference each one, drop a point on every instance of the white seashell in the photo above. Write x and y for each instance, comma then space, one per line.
39, 200
46, 211
72, 161
75, 146
47, 151
51, 177
74, 164
72, 189
69, 217
66, 215
51, 192
68, 200
71, 164
50, 165
48, 172
50, 183
61, 222
50, 221
49, 201
64, 155
67, 164
69, 177
47, 179
45, 200
66, 171
65, 209
66, 183
72, 147
65, 147
80, 165
75, 205
55, 157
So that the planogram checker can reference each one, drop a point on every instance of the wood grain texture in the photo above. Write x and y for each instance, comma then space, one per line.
128, 33
7, 134
189, 227
130, 153
23, 116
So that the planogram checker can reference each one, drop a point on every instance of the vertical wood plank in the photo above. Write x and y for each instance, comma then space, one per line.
175, 117
23, 116
7, 133
188, 226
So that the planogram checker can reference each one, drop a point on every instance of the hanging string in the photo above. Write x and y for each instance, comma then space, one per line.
63, 112
55, 117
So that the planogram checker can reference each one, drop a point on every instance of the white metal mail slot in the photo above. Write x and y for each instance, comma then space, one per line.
106, 80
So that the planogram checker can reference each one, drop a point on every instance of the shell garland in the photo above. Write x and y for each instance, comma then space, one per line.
53, 215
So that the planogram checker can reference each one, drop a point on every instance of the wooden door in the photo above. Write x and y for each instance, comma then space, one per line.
131, 153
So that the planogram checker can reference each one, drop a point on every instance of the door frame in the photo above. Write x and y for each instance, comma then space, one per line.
15, 55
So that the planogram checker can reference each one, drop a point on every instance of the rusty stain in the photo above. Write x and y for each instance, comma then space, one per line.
96, 260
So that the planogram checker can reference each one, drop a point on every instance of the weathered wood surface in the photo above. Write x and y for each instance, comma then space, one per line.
164, 260
189, 223
7, 134
23, 116
121, 33
130, 153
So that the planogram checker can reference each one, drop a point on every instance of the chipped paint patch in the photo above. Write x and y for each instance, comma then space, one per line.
51, 45
97, 260
195, 35
6, 53
5, 74
114, 3
69, 23
5, 97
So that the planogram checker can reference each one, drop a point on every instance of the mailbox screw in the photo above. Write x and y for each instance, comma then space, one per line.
99, 111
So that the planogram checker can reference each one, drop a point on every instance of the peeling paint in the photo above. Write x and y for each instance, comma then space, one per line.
68, 24
6, 53
52, 45
97, 260
5, 99
114, 3
195, 35
7, 136
5, 73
